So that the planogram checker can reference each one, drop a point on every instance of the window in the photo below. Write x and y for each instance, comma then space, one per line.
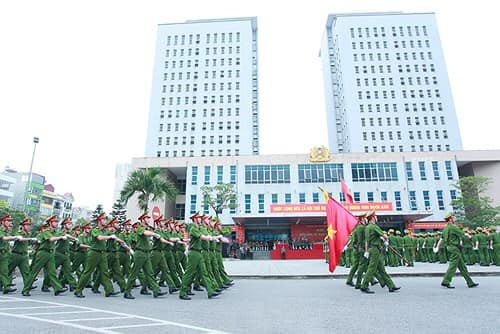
370, 196
439, 194
413, 200
261, 203
397, 199
409, 172
207, 174
274, 198
371, 172
302, 197
194, 176
357, 197
320, 173
232, 206
266, 174
232, 171
421, 167
248, 200
427, 201
383, 196
449, 172
435, 170
220, 170
288, 198
193, 204
315, 197
453, 196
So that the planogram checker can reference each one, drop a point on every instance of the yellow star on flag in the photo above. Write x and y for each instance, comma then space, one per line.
331, 232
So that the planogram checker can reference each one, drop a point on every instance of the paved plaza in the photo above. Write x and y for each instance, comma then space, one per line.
268, 306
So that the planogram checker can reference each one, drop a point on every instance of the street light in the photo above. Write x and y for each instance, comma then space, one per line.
35, 141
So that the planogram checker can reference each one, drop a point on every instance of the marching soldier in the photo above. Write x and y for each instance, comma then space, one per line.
61, 256
218, 255
409, 248
374, 238
112, 248
123, 254
19, 252
5, 230
452, 238
45, 259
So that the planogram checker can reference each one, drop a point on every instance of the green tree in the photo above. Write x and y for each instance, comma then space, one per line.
97, 212
219, 197
472, 207
80, 222
149, 185
119, 211
17, 215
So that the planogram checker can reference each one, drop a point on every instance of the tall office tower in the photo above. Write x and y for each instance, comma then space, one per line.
386, 84
204, 99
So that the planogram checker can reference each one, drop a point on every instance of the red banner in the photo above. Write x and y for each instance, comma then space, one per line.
319, 207
426, 225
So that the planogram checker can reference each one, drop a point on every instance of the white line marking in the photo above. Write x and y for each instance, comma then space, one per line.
52, 313
95, 319
29, 307
101, 330
12, 301
133, 326
22, 316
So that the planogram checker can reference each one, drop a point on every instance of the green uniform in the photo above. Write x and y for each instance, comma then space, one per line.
79, 255
115, 272
179, 255
4, 261
358, 252
142, 262
375, 262
19, 259
171, 261
409, 249
496, 247
195, 263
159, 261
96, 261
467, 250
123, 254
452, 237
61, 258
218, 258
44, 259
483, 249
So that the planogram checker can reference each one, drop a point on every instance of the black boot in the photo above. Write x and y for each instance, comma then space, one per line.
79, 294
171, 291
128, 295
58, 292
159, 294
184, 297
367, 290
447, 286
145, 292
112, 294
394, 289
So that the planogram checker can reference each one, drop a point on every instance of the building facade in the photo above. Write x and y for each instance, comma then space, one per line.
277, 192
122, 171
386, 84
27, 197
204, 99
7, 184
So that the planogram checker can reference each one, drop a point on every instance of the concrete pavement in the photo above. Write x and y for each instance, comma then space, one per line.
319, 269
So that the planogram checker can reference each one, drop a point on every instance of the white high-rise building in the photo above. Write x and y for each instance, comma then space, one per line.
204, 99
386, 84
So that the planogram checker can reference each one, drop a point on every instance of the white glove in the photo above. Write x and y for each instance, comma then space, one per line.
403, 249
435, 249
19, 237
156, 236
366, 254
491, 247
386, 243
475, 248
112, 236
64, 237
131, 251
345, 248
186, 252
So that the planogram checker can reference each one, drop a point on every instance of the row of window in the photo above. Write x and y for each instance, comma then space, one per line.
390, 135
192, 100
206, 75
189, 39
204, 140
366, 82
203, 153
367, 32
406, 56
381, 69
286, 198
204, 126
196, 51
412, 148
204, 112
405, 94
387, 108
196, 62
321, 173
389, 121
214, 86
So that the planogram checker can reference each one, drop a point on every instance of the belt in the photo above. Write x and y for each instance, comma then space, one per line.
20, 253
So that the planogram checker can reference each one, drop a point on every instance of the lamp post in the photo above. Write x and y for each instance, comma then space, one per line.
28, 184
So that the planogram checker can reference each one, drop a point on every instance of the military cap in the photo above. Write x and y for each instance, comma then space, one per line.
157, 219
360, 215
370, 214
407, 230
113, 220
136, 224
76, 228
127, 222
66, 221
170, 220
86, 225
196, 215
448, 217
7, 218
101, 216
52, 219
143, 216
27, 221
398, 232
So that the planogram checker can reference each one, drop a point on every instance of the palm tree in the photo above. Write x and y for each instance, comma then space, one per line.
147, 182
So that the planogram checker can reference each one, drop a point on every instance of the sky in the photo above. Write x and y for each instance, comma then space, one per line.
78, 75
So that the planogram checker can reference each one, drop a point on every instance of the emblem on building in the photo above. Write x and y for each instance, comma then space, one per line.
319, 154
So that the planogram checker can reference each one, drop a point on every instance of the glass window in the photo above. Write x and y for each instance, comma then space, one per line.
435, 170
320, 173
421, 167
261, 203
194, 176
413, 200
232, 170
439, 194
288, 198
357, 197
372, 172
397, 199
232, 206
449, 172
383, 196
370, 196
193, 204
207, 174
220, 170
266, 174
427, 200
409, 172
247, 203
274, 198
302, 197
315, 197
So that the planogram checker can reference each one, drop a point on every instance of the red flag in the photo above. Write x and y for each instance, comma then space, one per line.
340, 225
345, 191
